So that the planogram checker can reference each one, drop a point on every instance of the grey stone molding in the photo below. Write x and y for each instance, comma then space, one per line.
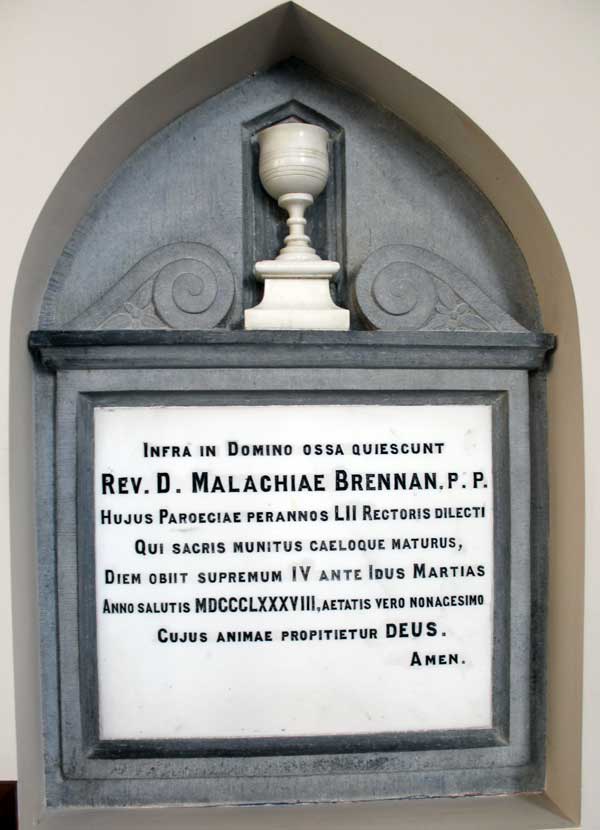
63, 350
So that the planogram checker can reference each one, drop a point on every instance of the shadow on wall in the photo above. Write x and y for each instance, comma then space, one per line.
8, 805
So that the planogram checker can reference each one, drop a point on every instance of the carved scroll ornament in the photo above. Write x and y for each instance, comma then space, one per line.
406, 288
185, 285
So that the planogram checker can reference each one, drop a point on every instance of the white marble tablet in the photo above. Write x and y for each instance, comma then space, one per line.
293, 570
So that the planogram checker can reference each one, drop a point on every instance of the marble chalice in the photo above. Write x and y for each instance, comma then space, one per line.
293, 169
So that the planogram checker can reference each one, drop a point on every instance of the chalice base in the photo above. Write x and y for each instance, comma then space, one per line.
301, 304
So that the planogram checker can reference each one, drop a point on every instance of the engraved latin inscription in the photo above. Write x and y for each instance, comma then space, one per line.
293, 570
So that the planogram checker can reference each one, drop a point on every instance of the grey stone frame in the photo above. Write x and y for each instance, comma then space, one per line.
85, 689
92, 369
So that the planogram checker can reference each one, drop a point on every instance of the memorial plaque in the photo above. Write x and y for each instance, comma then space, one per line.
291, 487
268, 571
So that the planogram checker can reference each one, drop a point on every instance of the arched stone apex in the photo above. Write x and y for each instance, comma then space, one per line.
195, 183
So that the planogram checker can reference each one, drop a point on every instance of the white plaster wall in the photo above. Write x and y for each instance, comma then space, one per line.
526, 71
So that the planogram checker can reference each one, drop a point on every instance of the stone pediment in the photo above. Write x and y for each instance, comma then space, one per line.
185, 218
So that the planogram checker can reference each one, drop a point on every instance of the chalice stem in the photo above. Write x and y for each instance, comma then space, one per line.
297, 242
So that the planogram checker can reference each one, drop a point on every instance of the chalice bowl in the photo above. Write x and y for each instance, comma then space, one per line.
293, 169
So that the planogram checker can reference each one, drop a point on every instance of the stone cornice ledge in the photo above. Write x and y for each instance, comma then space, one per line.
130, 349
